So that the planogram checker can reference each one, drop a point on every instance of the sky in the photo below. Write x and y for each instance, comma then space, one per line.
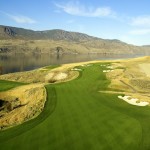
125, 20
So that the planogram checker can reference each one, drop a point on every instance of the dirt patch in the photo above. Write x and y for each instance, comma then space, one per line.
21, 104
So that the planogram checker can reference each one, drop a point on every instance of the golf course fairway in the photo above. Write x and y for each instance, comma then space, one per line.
78, 117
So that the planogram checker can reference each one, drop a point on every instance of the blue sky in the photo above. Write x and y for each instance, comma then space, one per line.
126, 20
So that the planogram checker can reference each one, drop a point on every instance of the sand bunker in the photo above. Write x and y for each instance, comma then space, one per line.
133, 101
108, 70
76, 69
49, 76
145, 67
60, 76
55, 76
110, 67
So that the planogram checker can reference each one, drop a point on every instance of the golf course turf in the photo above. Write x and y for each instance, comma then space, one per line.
78, 117
6, 85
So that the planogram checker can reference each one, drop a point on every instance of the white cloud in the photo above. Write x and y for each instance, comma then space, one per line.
78, 9
141, 21
140, 32
19, 18
22, 19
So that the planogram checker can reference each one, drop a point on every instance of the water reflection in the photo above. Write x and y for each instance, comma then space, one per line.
20, 62
1, 70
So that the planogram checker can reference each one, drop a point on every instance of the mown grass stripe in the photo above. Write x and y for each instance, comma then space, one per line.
85, 119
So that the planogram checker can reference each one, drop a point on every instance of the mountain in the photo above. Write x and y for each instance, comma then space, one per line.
19, 40
57, 34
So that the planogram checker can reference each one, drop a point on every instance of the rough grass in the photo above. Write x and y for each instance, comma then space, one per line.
141, 83
78, 117
33, 76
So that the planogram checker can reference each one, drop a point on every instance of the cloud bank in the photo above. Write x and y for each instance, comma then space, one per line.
19, 18
78, 9
22, 19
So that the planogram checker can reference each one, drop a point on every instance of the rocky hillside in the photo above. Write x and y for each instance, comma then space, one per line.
20, 33
19, 40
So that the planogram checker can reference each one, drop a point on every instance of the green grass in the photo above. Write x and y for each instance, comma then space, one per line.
124, 68
6, 85
51, 67
78, 117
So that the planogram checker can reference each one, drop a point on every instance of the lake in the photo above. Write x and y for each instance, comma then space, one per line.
20, 62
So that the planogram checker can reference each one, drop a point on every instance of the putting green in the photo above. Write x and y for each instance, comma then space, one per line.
78, 117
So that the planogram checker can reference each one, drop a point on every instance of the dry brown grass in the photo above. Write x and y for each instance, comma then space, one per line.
130, 78
25, 103
145, 67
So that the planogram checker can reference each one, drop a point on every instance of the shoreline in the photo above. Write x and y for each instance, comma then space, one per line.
36, 61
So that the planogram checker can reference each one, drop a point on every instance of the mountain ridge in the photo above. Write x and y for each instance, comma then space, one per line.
20, 40
54, 32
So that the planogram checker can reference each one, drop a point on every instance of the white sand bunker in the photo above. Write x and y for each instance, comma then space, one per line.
56, 76
76, 69
60, 76
110, 67
133, 101
107, 66
108, 70
49, 76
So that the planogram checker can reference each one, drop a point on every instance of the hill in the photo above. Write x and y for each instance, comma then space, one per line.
19, 40
56, 34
